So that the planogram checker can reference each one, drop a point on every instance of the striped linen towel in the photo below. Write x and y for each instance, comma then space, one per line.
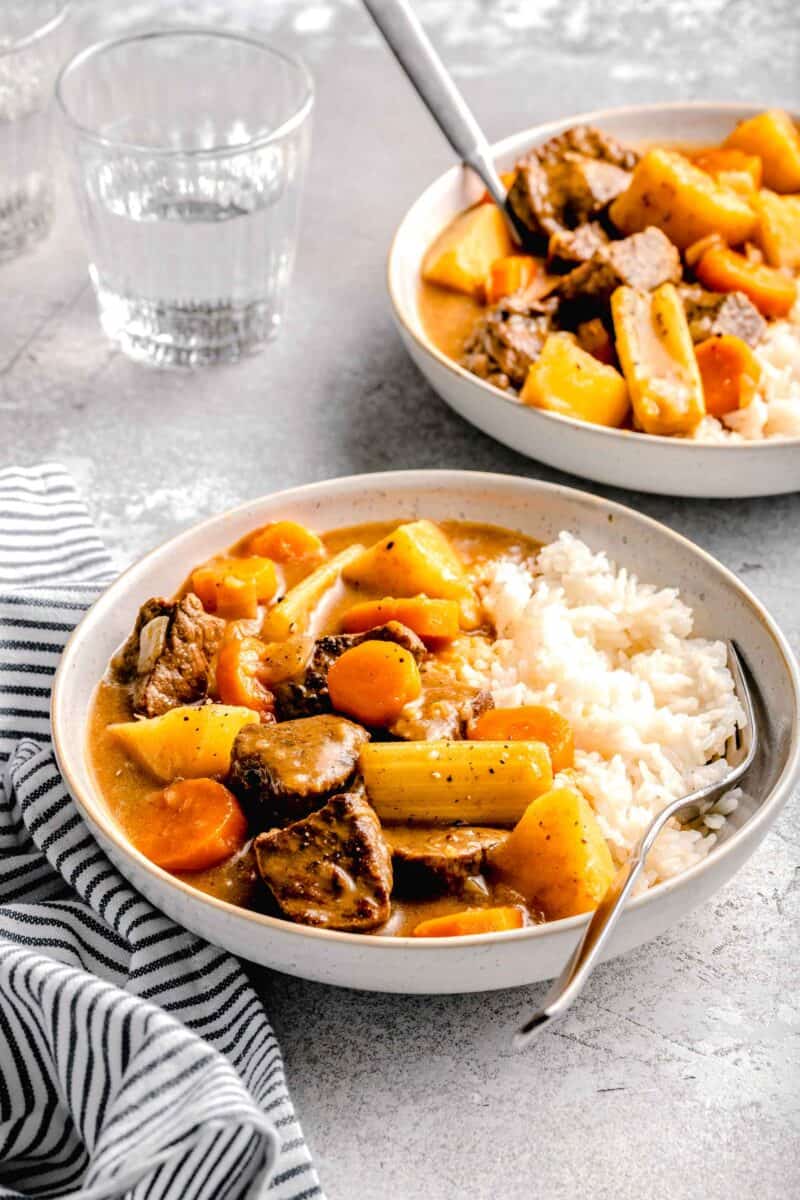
135, 1059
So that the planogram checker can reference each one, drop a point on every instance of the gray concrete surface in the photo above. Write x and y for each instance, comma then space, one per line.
677, 1076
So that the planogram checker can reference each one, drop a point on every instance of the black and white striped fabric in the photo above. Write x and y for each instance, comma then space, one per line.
135, 1060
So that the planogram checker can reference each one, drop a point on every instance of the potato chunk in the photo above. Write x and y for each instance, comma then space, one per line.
415, 559
778, 229
774, 137
566, 379
186, 742
556, 856
657, 355
682, 200
462, 254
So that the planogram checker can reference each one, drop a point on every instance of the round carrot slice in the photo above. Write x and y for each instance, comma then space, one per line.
529, 723
373, 682
191, 825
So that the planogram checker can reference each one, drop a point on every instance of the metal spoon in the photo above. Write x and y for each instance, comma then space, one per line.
413, 49
739, 752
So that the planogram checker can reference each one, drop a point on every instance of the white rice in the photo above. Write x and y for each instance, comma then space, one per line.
648, 703
775, 410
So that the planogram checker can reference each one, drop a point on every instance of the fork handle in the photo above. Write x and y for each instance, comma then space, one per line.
414, 51
570, 983
572, 979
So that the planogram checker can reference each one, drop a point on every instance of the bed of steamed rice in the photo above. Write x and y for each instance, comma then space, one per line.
775, 411
650, 705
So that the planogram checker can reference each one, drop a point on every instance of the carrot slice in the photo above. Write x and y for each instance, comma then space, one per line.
431, 620
240, 676
234, 587
730, 373
191, 825
733, 168
373, 682
472, 920
286, 541
529, 723
723, 270
507, 275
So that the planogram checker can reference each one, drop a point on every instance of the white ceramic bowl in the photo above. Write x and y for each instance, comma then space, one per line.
670, 466
724, 609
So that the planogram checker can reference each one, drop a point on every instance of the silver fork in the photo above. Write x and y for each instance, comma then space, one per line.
740, 750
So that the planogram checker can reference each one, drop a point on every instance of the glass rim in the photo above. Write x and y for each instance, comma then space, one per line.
263, 138
40, 32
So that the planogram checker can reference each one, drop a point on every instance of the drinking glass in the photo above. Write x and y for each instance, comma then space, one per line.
188, 151
31, 51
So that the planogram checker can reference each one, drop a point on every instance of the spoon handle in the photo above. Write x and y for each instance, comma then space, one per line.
412, 48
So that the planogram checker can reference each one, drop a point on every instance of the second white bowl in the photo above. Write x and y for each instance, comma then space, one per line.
670, 466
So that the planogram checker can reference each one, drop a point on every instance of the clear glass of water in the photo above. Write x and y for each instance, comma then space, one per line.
31, 51
189, 149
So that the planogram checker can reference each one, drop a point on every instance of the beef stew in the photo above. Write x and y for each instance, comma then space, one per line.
681, 259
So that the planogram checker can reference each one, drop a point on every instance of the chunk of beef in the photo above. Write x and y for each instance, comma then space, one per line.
333, 869
307, 695
710, 314
595, 339
284, 771
568, 247
591, 142
429, 860
168, 654
569, 180
444, 708
643, 260
507, 338
554, 194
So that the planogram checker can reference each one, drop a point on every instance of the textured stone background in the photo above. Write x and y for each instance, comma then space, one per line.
677, 1075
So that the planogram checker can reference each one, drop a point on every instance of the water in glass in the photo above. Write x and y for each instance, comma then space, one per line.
188, 150
191, 267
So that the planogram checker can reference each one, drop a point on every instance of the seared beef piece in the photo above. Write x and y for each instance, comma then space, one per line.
643, 260
333, 869
591, 142
308, 695
710, 313
284, 771
568, 247
551, 195
507, 338
569, 180
430, 860
445, 707
595, 339
167, 656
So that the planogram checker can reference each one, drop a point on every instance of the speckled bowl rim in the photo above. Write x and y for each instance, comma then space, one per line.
66, 751
537, 133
